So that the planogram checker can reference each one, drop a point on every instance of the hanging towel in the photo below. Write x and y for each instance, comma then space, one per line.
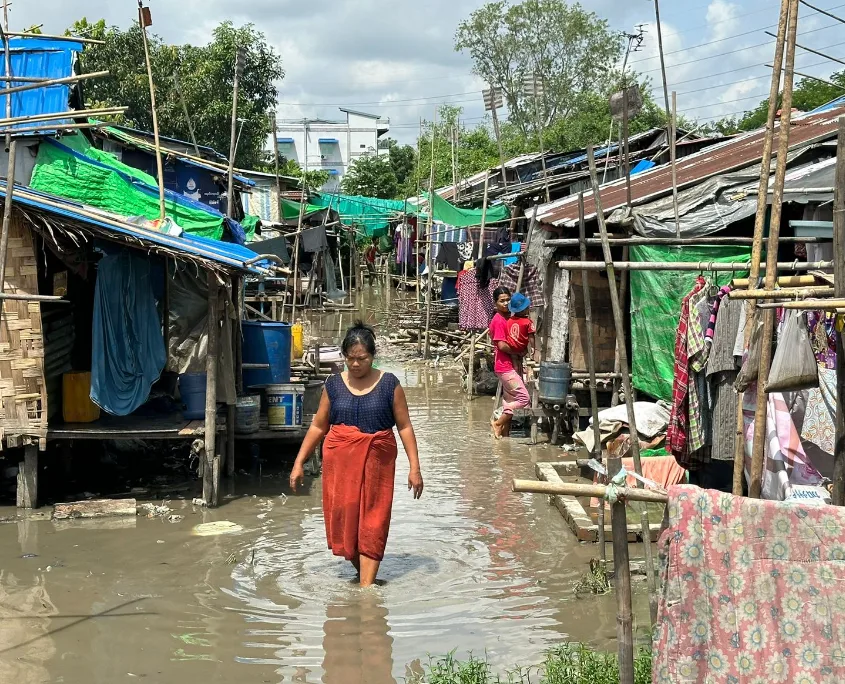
314, 240
128, 353
449, 257
532, 286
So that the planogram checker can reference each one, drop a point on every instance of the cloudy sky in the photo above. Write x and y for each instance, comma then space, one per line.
396, 58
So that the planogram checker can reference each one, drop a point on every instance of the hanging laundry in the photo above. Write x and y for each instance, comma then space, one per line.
404, 238
444, 233
532, 285
722, 369
127, 353
465, 250
475, 302
449, 257
516, 247
314, 239
677, 433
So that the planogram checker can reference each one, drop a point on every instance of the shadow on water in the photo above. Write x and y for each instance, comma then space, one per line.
471, 566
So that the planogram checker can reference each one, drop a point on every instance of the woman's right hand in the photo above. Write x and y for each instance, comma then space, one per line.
297, 477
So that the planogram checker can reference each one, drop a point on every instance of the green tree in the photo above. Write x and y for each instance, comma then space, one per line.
313, 180
808, 94
571, 51
371, 176
403, 159
206, 76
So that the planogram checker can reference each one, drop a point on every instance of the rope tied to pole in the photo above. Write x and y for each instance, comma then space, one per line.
611, 494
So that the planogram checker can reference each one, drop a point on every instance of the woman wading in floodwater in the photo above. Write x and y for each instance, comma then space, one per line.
358, 410
514, 393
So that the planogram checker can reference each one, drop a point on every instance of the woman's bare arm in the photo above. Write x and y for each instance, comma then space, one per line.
319, 428
409, 440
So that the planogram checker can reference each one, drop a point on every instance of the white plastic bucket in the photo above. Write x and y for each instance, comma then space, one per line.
284, 406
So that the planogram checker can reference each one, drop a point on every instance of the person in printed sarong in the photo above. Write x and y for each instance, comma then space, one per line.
358, 411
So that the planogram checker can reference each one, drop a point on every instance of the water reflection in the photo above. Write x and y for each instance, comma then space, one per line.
357, 644
25, 618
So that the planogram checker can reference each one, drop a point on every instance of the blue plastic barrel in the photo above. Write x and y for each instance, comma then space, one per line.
266, 344
192, 389
554, 381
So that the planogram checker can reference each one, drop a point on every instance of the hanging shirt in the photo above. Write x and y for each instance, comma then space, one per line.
475, 303
676, 434
696, 360
532, 285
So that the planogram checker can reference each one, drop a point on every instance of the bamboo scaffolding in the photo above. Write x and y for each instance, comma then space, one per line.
428, 264
702, 266
783, 281
625, 369
838, 493
673, 159
674, 242
622, 568
233, 135
71, 39
142, 21
47, 82
591, 364
758, 445
36, 129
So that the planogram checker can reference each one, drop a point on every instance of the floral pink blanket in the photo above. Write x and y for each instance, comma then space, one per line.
753, 591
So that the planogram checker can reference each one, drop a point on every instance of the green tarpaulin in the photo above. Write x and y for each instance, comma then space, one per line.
370, 213
249, 225
89, 176
291, 209
656, 307
465, 218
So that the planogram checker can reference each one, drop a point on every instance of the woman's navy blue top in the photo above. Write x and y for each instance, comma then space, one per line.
371, 412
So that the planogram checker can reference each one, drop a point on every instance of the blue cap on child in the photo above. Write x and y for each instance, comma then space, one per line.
519, 303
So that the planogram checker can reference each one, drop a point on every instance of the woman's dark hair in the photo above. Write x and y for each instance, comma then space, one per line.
499, 291
359, 333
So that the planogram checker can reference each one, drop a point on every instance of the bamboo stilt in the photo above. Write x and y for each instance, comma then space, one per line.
211, 470
839, 275
591, 366
622, 568
625, 369
759, 229
760, 430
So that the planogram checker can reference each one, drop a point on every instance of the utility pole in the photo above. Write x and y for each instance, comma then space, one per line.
492, 101
662, 61
533, 88
145, 19
276, 158
233, 142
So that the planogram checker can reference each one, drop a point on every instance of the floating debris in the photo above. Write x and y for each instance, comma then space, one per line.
217, 527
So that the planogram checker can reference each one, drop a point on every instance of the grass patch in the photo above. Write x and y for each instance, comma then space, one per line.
564, 664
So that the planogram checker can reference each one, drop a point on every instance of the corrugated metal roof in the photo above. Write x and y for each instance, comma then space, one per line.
733, 154
195, 248
40, 58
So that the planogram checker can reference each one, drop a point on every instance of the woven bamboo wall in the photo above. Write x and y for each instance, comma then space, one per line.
23, 394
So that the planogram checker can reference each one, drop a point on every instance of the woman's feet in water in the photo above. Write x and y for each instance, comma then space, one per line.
497, 429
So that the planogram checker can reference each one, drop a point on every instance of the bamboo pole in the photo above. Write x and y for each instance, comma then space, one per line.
51, 82
758, 446
701, 266
428, 265
295, 295
142, 21
759, 229
36, 129
626, 157
783, 281
7, 216
673, 160
211, 471
496, 131
839, 278
276, 164
185, 112
622, 568
588, 490
70, 114
662, 59
623, 297
783, 293
806, 304
233, 135
72, 39
709, 240
624, 368
591, 365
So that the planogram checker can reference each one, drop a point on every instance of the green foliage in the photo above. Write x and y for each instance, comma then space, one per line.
206, 79
807, 95
402, 161
571, 50
564, 664
371, 176
312, 180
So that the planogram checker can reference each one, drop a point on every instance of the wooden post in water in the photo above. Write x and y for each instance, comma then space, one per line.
622, 582
760, 431
839, 275
591, 365
759, 229
625, 370
211, 471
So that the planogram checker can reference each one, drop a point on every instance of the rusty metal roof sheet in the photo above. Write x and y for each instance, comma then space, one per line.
734, 154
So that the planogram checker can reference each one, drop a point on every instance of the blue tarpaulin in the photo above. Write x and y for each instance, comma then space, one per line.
128, 354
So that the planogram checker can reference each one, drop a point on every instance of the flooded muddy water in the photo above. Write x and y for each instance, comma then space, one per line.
471, 566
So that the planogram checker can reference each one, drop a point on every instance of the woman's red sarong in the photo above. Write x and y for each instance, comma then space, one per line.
358, 473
